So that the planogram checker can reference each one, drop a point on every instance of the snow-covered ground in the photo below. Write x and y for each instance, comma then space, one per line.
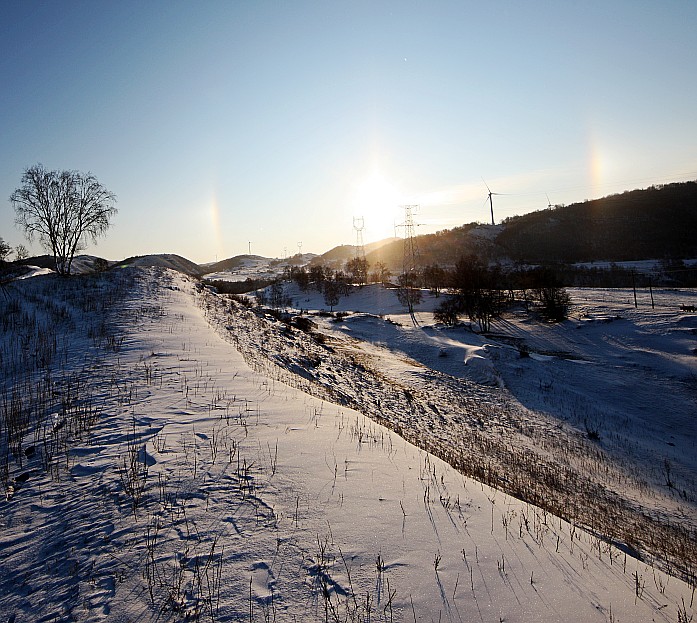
626, 373
623, 378
257, 267
179, 456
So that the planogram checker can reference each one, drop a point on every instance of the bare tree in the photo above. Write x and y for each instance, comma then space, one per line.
408, 292
277, 297
334, 288
332, 295
5, 250
63, 209
318, 275
21, 252
380, 273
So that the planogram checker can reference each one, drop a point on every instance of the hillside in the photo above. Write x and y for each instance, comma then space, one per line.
444, 247
183, 457
656, 223
235, 263
337, 256
659, 222
81, 263
164, 260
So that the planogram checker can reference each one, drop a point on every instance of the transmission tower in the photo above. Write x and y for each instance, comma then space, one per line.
410, 294
300, 248
410, 259
359, 226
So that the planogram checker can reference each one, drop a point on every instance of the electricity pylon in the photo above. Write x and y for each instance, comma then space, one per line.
359, 226
410, 294
410, 259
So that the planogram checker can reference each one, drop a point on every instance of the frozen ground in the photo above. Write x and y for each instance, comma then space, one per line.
607, 406
625, 375
168, 462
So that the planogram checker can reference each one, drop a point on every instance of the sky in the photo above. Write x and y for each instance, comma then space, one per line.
225, 127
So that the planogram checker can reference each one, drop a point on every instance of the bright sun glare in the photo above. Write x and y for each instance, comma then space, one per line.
377, 200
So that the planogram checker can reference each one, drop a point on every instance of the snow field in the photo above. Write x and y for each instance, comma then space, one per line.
393, 371
208, 489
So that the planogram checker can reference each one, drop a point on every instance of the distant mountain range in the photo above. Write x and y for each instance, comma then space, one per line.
659, 222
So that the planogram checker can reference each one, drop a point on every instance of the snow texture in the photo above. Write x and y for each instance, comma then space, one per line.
201, 461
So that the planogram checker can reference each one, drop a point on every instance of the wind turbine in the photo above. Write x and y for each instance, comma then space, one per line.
491, 202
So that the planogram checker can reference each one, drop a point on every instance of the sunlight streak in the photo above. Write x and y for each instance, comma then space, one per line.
214, 212
377, 200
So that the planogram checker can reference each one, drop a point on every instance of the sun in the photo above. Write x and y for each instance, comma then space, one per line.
377, 200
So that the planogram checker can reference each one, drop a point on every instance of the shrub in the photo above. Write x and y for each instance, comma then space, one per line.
555, 303
448, 311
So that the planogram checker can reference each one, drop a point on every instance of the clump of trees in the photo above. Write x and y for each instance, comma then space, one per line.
63, 209
554, 301
334, 284
21, 252
477, 291
357, 268
380, 273
482, 292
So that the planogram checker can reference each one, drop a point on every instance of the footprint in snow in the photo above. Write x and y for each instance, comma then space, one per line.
145, 457
263, 581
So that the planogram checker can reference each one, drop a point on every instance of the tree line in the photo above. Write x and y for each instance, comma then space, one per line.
470, 289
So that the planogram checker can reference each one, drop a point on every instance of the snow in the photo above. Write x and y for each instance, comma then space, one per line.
164, 260
263, 500
257, 267
35, 271
640, 266
627, 375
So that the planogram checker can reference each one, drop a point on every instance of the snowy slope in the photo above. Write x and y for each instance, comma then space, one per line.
188, 484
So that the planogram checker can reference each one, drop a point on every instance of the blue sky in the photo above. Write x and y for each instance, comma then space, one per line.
218, 124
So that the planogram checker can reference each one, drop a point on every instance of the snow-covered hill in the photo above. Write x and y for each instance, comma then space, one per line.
167, 467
